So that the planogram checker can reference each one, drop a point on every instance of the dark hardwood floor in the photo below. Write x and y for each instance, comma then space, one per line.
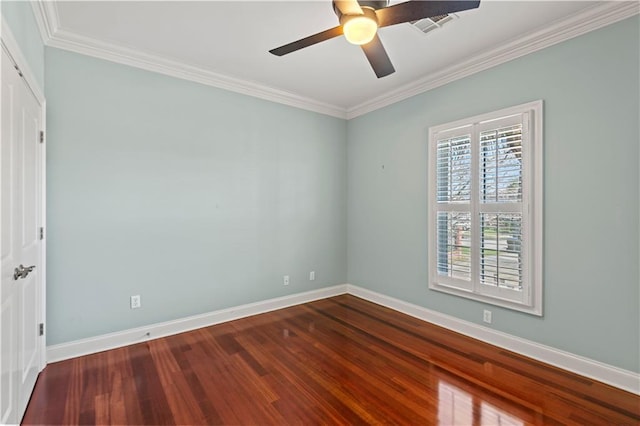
341, 360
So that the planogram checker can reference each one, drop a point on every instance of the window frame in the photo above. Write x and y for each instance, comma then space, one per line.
530, 299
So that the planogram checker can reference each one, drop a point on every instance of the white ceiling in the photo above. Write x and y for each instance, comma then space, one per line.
228, 42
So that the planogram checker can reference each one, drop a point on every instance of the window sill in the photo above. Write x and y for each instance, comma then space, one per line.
528, 309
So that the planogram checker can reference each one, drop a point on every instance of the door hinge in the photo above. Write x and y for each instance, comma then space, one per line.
41, 136
41, 328
41, 233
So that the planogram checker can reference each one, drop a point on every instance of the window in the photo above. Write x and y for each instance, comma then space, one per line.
485, 208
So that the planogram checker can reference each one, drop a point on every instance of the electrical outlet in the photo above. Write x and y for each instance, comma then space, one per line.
486, 316
285, 280
312, 276
135, 302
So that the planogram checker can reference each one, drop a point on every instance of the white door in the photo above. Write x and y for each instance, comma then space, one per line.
20, 245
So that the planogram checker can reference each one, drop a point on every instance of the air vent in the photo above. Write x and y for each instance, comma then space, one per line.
430, 24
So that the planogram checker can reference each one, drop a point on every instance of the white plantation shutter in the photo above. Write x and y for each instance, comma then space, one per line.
454, 245
453, 216
454, 169
500, 206
501, 164
485, 235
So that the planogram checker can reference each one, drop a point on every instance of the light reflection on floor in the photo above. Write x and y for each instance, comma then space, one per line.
457, 407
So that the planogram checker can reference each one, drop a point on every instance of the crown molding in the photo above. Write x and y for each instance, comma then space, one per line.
589, 20
605, 13
46, 15
54, 36
66, 40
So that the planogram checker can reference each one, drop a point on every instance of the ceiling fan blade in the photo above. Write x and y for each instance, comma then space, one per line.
415, 10
378, 58
307, 41
348, 7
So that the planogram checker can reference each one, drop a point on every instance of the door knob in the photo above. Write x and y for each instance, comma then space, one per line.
22, 271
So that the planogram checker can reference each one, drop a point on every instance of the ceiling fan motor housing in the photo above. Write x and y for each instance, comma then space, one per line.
373, 4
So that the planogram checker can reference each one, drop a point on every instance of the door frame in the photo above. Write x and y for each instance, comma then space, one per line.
11, 46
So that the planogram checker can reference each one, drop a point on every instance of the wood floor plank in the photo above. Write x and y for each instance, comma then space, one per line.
340, 360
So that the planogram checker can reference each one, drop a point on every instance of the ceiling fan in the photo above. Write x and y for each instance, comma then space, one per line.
360, 20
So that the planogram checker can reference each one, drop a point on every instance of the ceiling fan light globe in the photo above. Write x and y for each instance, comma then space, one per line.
359, 29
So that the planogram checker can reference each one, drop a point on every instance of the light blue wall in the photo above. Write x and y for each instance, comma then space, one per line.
590, 87
19, 16
195, 198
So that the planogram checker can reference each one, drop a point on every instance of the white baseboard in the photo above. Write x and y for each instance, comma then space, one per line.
596, 370
153, 331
